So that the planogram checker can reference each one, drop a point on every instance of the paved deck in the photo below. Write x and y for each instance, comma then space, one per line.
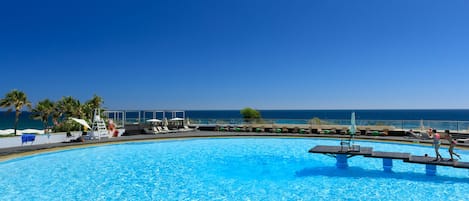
12, 145
6, 142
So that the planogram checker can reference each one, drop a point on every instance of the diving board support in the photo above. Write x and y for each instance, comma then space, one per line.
387, 164
342, 162
430, 169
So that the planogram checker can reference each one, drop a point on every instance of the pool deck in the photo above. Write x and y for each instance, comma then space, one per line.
11, 147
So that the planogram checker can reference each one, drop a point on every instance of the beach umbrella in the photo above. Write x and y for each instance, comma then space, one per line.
82, 122
353, 126
177, 121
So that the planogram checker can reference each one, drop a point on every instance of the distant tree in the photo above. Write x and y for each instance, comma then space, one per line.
43, 110
15, 100
250, 114
315, 121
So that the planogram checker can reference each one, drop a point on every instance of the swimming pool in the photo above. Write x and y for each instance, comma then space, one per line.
225, 169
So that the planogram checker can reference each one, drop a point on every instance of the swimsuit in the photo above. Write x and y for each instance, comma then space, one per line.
436, 139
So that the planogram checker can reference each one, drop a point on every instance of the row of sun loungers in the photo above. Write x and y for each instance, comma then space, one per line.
461, 138
274, 129
165, 129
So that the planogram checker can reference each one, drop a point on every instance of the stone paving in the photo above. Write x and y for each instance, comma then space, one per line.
6, 142
12, 145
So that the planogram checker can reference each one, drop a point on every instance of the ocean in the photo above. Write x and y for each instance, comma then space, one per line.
444, 115
7, 119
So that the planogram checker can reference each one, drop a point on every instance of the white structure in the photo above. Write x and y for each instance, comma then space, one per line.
98, 127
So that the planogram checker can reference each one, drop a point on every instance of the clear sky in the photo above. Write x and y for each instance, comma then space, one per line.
230, 54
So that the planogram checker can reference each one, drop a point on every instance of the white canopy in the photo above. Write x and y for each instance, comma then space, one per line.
153, 120
82, 122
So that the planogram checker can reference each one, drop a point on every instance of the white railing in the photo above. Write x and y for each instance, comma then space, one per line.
458, 126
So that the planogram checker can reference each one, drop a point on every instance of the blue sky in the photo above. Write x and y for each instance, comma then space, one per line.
216, 54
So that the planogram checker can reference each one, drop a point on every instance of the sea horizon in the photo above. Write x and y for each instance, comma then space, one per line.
25, 122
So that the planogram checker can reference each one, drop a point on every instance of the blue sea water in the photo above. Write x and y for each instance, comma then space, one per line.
7, 119
225, 169
451, 115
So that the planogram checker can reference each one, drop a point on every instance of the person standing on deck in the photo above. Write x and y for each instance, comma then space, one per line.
436, 144
452, 144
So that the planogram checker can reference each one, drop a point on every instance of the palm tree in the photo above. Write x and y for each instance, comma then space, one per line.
15, 99
43, 111
95, 102
56, 114
68, 107
91, 105
87, 111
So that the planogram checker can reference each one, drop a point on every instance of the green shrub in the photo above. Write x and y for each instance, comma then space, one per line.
251, 115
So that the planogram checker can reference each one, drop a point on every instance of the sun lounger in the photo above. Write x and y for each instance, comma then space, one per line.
463, 140
161, 130
377, 133
222, 128
410, 134
79, 139
166, 129
424, 136
189, 128
186, 129
152, 130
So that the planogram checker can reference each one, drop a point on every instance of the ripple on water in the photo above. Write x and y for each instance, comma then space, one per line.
223, 169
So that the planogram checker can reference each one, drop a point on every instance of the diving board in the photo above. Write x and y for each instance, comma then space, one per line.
343, 155
339, 150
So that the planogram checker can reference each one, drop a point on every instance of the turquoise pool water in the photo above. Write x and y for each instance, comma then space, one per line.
225, 169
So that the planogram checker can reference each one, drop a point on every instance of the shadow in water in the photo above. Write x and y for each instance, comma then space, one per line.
356, 172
